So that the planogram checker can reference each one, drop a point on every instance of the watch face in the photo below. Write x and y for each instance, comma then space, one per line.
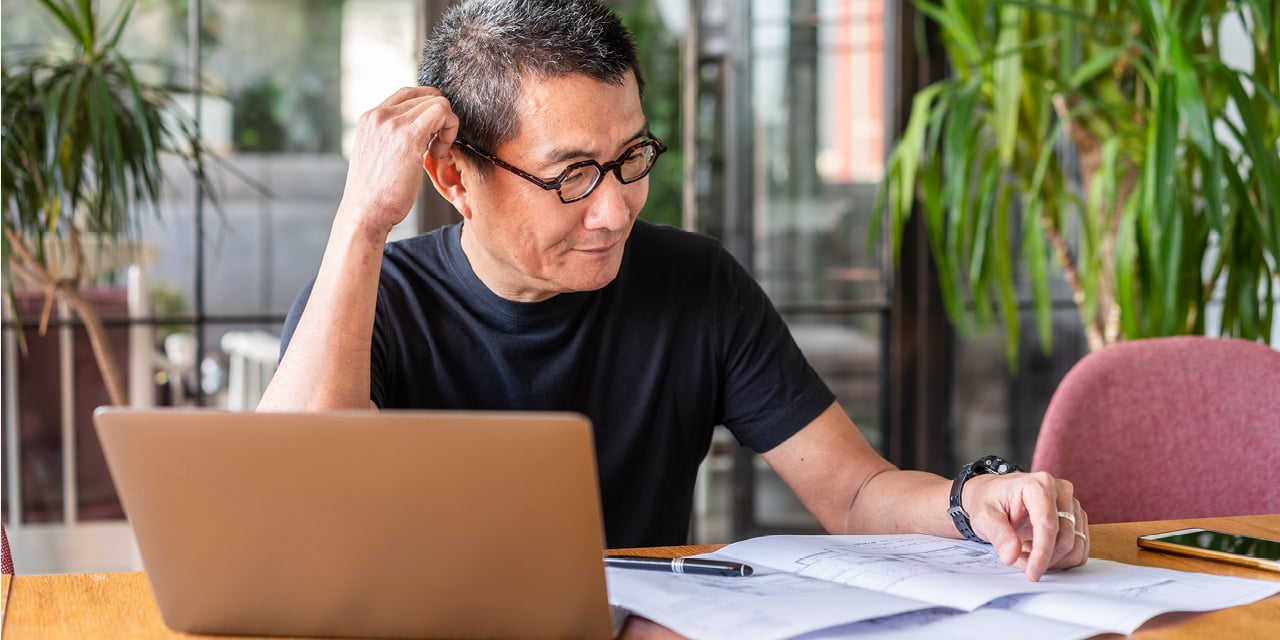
997, 465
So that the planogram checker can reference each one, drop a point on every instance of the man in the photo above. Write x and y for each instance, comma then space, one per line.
551, 295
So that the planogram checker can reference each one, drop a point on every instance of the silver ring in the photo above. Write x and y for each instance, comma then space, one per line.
1082, 536
1068, 516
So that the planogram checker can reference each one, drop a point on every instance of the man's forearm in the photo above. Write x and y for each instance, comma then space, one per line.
326, 365
896, 501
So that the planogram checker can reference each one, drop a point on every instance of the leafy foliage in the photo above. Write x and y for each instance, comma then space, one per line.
83, 137
1178, 193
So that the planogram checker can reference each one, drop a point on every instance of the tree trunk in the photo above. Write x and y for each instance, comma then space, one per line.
102, 351
1104, 327
23, 263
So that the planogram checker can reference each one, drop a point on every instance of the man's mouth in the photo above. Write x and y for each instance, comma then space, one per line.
599, 250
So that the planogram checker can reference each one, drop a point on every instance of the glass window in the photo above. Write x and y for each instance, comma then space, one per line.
284, 82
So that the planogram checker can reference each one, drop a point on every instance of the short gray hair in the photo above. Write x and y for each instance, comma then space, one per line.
483, 49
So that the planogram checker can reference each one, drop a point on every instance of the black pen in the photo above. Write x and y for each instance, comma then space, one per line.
697, 566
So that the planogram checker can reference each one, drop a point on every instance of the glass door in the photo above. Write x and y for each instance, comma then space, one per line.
788, 137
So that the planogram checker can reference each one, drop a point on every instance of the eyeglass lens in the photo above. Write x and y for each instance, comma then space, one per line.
579, 181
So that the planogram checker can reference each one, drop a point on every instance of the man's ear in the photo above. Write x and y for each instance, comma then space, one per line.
446, 174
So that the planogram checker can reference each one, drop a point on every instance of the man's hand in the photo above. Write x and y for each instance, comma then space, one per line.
1020, 515
391, 143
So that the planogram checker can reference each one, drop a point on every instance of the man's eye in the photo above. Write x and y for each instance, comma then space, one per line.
577, 177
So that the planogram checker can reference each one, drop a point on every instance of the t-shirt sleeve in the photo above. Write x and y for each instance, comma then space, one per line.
295, 313
771, 391
378, 365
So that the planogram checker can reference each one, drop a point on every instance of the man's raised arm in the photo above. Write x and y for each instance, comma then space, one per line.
326, 365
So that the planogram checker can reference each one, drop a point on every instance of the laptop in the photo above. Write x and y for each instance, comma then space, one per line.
365, 524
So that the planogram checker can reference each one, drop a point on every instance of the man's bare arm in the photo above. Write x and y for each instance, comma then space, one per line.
851, 489
326, 365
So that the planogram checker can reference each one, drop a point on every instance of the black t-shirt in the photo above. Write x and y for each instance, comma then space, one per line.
681, 341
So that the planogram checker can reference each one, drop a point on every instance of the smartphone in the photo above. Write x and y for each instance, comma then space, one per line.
1259, 553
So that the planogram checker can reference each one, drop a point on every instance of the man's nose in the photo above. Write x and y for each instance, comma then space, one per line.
607, 207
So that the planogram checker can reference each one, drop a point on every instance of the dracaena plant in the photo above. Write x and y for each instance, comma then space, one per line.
1170, 199
83, 139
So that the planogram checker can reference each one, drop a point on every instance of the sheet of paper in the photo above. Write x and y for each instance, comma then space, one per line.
764, 606
936, 570
795, 592
1125, 608
931, 624
967, 575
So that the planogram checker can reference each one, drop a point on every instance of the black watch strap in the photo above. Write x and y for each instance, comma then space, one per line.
984, 465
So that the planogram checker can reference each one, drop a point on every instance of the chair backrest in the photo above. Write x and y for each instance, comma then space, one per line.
1168, 428
6, 558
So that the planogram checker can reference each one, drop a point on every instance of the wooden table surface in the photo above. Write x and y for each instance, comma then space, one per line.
121, 605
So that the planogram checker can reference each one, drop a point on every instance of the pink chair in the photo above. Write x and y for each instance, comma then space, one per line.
6, 558
1168, 428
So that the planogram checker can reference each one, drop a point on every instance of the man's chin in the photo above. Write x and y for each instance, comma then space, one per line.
592, 279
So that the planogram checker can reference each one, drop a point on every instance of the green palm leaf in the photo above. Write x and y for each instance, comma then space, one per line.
1179, 199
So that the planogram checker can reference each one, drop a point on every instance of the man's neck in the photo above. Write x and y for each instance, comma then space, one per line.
486, 268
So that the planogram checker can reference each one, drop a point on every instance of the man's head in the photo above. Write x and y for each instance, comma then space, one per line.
483, 50
543, 89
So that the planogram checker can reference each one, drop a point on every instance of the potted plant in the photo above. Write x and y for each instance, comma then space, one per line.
84, 134
1108, 139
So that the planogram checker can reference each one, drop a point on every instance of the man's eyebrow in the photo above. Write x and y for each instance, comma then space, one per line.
566, 155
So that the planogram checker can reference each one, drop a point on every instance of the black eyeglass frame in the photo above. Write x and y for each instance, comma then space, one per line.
614, 166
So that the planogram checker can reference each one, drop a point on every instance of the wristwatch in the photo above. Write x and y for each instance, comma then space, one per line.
984, 465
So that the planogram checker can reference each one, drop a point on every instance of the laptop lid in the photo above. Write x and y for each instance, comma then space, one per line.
365, 524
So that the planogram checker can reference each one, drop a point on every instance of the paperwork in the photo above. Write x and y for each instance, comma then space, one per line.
911, 586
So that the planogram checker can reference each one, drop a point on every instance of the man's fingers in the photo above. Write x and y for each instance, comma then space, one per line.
1040, 500
1067, 530
1034, 522
1072, 526
447, 132
1007, 542
409, 94
1078, 553
421, 112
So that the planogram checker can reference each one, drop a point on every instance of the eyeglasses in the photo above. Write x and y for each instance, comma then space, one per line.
579, 179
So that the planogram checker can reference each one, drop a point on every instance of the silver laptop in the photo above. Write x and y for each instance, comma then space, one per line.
364, 524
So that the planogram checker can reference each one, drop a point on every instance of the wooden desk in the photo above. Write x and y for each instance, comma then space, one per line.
121, 605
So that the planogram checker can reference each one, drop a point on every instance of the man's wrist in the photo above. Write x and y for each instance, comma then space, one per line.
352, 226
982, 466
